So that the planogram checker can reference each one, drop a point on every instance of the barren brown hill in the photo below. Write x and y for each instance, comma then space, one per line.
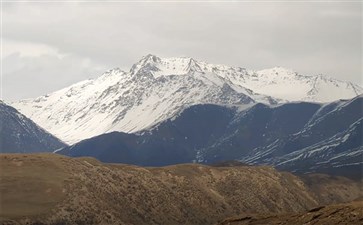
348, 213
53, 189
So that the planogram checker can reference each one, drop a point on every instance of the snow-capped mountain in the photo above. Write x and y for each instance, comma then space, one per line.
156, 89
19, 134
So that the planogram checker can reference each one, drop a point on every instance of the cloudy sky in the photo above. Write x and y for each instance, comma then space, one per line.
48, 46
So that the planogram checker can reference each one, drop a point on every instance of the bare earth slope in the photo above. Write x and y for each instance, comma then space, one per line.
53, 189
349, 213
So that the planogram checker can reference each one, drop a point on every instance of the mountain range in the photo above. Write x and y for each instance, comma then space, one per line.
156, 89
203, 144
168, 111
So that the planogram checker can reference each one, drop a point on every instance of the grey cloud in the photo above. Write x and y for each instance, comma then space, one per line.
310, 38
25, 77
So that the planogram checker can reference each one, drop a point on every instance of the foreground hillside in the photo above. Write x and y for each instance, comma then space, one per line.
351, 213
53, 189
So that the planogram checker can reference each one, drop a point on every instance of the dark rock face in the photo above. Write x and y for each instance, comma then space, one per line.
299, 137
19, 134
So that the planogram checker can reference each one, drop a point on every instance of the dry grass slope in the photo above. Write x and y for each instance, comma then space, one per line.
30, 185
53, 189
341, 214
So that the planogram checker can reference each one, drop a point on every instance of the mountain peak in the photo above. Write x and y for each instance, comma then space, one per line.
150, 58
113, 71
278, 71
145, 63
165, 66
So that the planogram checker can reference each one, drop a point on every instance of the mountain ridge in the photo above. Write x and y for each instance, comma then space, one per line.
19, 134
156, 89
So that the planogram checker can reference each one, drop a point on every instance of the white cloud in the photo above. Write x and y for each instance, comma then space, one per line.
27, 49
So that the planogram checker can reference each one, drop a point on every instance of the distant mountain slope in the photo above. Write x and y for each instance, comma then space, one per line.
330, 141
342, 149
201, 133
85, 191
156, 89
19, 134
258, 126
173, 141
299, 137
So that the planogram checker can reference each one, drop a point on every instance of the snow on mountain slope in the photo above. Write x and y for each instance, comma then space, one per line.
342, 149
285, 84
278, 82
158, 88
